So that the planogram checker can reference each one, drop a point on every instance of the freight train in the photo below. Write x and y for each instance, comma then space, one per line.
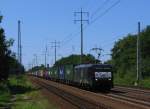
89, 76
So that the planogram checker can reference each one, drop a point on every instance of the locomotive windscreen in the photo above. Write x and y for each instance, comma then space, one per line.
103, 75
103, 72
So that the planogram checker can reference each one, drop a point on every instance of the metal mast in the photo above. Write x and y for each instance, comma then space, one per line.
138, 54
19, 43
81, 21
56, 44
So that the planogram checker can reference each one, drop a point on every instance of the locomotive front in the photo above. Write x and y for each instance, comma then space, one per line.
102, 77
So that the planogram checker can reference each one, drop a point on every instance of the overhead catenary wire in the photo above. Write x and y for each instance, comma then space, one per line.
99, 8
103, 13
71, 36
95, 19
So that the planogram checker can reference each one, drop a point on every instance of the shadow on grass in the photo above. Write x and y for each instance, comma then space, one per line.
9, 92
19, 89
5, 105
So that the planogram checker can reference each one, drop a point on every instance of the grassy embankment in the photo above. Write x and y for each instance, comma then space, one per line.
19, 93
129, 80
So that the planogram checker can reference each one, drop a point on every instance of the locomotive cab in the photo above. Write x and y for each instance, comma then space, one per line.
95, 76
102, 76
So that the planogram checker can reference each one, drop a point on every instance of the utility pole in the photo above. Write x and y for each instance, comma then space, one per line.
45, 55
29, 66
19, 43
36, 60
32, 63
55, 44
138, 55
81, 20
1, 17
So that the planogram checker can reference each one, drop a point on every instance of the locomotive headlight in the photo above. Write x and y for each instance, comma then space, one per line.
96, 79
109, 79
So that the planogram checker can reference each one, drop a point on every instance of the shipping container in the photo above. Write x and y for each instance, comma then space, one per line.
54, 75
69, 73
61, 72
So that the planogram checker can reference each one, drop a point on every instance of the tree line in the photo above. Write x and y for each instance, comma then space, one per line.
8, 61
124, 54
75, 59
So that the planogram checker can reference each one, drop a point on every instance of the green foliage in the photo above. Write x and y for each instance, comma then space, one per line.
8, 62
4, 93
20, 80
128, 79
4, 54
124, 54
145, 83
1, 17
36, 101
124, 57
75, 59
36, 68
25, 95
14, 66
30, 98
145, 52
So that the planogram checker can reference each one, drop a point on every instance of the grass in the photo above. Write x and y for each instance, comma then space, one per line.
4, 95
19, 93
129, 80
145, 83
32, 100
125, 80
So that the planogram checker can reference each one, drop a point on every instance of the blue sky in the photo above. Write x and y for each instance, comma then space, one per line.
43, 21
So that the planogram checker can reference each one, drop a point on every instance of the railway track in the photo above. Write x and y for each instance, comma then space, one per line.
77, 101
134, 88
92, 100
135, 94
130, 99
129, 89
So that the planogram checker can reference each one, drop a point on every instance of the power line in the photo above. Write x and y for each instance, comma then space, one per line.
98, 51
106, 11
55, 44
45, 56
81, 20
93, 21
36, 59
71, 36
99, 8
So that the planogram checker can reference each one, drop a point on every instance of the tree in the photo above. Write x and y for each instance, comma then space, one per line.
1, 17
4, 54
124, 54
8, 62
36, 68
75, 59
